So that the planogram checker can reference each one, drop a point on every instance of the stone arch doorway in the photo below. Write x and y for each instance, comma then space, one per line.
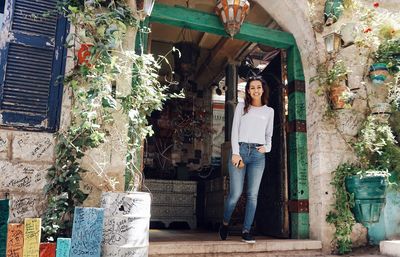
297, 137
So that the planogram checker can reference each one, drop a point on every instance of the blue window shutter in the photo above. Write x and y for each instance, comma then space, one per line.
32, 65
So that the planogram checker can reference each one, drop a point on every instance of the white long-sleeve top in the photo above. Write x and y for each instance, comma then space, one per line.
256, 126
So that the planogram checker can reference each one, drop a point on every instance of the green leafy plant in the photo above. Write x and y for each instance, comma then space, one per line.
389, 53
102, 24
341, 216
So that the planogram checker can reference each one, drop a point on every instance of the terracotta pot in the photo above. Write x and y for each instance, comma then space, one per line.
335, 96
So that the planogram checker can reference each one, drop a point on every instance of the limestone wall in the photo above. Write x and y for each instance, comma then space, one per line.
326, 139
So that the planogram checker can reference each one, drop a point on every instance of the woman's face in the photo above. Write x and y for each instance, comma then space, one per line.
255, 89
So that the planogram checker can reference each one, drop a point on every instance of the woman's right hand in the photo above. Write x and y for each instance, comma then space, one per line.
235, 160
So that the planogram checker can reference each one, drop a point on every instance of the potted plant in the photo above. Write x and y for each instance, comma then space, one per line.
360, 187
333, 84
94, 110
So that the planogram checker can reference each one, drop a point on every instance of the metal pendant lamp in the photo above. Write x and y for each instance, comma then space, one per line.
232, 14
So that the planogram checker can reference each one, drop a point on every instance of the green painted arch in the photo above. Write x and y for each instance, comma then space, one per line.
298, 167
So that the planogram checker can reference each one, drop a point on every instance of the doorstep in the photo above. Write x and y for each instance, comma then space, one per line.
390, 248
235, 248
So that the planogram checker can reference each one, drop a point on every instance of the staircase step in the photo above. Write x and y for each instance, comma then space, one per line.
236, 248
390, 248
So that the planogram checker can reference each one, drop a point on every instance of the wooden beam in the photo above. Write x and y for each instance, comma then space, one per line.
208, 22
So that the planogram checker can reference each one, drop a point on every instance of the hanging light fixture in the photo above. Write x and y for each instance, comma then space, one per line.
232, 14
145, 7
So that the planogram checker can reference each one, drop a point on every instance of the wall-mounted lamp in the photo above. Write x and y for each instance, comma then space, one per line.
333, 42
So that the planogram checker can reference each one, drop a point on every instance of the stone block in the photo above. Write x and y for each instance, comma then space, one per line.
359, 235
22, 177
32, 237
4, 214
33, 147
25, 205
15, 240
4, 144
390, 248
47, 250
87, 232
63, 247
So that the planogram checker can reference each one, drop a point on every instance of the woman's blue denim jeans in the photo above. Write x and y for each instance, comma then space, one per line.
254, 168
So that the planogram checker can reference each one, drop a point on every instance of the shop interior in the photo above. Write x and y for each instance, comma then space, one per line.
185, 159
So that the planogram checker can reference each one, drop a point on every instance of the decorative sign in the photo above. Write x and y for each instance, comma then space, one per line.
4, 214
31, 237
15, 241
87, 232
47, 250
63, 247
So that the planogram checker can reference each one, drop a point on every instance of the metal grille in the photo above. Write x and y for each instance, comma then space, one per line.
27, 79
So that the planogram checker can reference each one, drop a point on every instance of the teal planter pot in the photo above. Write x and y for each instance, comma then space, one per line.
369, 197
378, 72
333, 10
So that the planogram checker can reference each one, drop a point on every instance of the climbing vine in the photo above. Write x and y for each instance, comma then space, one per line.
100, 26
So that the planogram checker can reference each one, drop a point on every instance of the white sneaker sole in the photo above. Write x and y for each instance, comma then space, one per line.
249, 241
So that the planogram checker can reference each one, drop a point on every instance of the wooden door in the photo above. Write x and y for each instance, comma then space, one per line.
272, 214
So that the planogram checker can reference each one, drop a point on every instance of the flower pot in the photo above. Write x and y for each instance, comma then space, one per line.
335, 96
126, 224
382, 111
369, 197
378, 72
333, 9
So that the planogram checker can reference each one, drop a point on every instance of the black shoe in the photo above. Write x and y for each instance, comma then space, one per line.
248, 238
223, 231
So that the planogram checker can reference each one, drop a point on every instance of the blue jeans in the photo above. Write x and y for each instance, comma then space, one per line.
254, 168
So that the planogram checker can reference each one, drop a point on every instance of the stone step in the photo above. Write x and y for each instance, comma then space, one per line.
235, 248
390, 248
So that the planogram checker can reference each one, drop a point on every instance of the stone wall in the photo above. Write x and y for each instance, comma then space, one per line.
326, 139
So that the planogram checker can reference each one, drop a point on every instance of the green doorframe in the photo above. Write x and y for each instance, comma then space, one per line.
207, 22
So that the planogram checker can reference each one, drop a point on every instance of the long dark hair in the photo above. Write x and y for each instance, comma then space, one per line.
264, 96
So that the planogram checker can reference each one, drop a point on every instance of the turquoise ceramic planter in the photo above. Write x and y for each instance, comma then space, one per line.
369, 197
333, 9
378, 72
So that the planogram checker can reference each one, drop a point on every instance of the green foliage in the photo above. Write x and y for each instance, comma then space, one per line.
374, 136
94, 102
342, 217
389, 52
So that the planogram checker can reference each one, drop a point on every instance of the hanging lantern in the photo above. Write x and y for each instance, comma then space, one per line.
145, 7
232, 14
186, 59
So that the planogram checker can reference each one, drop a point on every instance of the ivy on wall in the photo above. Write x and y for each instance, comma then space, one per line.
101, 27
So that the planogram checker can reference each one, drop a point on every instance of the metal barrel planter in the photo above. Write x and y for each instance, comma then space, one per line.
126, 224
369, 197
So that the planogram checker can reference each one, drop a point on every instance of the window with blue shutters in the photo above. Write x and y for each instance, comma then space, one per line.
32, 65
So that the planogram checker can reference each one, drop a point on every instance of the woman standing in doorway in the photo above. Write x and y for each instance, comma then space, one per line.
252, 130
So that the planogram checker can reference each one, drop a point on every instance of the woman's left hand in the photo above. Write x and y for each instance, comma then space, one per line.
261, 149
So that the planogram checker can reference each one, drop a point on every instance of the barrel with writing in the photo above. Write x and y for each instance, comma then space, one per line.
126, 224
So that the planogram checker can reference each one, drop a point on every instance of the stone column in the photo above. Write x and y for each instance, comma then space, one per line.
231, 80
109, 159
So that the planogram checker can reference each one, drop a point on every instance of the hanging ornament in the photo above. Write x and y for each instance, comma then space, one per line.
232, 14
